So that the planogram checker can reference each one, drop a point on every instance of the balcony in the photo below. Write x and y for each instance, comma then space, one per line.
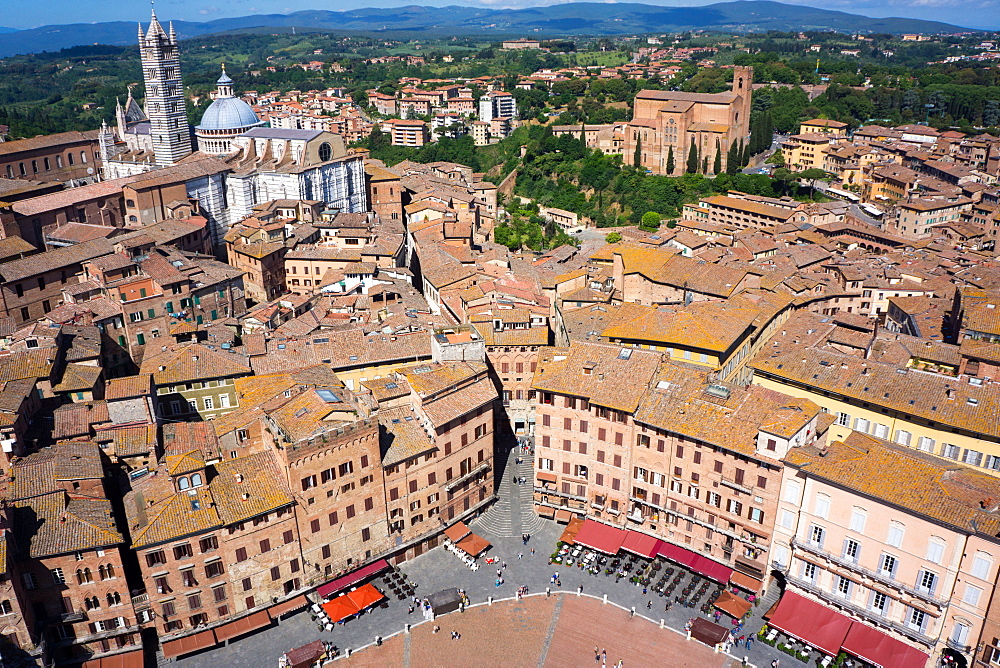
881, 578
72, 616
964, 649
465, 477
140, 601
739, 487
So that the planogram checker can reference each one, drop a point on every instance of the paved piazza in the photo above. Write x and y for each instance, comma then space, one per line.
558, 630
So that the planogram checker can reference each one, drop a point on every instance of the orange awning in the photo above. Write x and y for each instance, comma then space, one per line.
563, 515
365, 596
473, 545
744, 581
189, 644
545, 477
291, 604
571, 530
340, 608
546, 511
732, 605
243, 625
133, 659
457, 531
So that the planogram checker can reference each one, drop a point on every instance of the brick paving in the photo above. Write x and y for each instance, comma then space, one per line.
439, 569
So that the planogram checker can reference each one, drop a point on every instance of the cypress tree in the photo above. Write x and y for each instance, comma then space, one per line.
717, 165
746, 155
704, 165
692, 166
637, 158
670, 160
740, 154
732, 160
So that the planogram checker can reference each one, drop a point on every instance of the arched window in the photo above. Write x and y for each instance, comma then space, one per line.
111, 570
740, 85
87, 577
79, 576
114, 598
48, 165
182, 483
130, 203
101, 572
10, 172
20, 166
196, 480
59, 162
70, 156
34, 166
83, 157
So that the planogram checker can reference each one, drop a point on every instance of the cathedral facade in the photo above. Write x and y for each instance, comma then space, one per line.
249, 163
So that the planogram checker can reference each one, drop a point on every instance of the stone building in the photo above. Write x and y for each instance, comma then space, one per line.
675, 120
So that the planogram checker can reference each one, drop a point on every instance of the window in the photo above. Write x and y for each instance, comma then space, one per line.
219, 593
972, 594
787, 520
843, 586
265, 546
209, 403
861, 424
821, 507
852, 550
194, 601
809, 571
241, 554
878, 602
927, 582
314, 526
903, 437
887, 566
57, 576
757, 515
981, 566
925, 444
182, 551
29, 581
917, 619
792, 490
275, 573
959, 634
935, 550
714, 499
950, 451
214, 569
208, 544
734, 507
858, 518
895, 537
816, 535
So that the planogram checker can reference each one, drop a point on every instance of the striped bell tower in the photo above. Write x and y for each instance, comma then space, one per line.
161, 69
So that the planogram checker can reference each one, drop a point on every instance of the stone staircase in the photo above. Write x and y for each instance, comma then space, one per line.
513, 513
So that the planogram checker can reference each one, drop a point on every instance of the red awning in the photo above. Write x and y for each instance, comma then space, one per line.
694, 561
571, 530
365, 596
601, 537
288, 606
457, 531
710, 569
811, 622
189, 644
345, 581
873, 646
545, 477
133, 659
473, 545
243, 625
642, 544
340, 608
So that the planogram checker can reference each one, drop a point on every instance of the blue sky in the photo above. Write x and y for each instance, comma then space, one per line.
971, 13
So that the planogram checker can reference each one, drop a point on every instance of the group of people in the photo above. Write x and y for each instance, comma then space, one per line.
601, 656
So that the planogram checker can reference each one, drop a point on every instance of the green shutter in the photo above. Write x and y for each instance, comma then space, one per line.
121, 341
197, 299
151, 312
199, 319
140, 339
142, 292
215, 314
169, 307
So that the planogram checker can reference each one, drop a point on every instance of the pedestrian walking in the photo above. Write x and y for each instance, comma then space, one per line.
749, 640
519, 555
532, 551
774, 664
649, 605
504, 566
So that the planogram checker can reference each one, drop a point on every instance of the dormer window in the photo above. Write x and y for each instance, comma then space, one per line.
183, 483
196, 480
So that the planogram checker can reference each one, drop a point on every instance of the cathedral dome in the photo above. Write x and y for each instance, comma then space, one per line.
228, 113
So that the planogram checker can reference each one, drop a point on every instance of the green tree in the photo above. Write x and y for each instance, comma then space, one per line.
732, 160
717, 164
777, 158
651, 221
811, 175
670, 160
692, 163
637, 158
613, 238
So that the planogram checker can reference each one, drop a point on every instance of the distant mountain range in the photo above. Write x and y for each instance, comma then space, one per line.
579, 18
4, 29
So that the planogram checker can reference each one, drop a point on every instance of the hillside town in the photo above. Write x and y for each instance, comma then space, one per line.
245, 365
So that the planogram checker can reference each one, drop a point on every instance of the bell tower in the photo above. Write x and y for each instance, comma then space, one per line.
161, 70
